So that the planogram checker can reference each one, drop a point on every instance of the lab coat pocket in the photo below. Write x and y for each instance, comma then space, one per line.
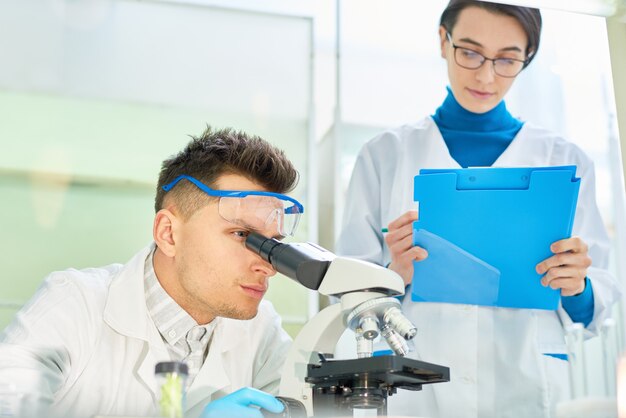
556, 374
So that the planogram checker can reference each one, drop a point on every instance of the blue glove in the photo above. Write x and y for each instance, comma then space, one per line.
240, 404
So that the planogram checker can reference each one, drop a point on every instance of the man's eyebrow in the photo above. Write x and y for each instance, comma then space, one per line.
245, 225
473, 42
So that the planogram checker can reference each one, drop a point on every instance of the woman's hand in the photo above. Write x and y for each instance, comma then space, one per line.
567, 268
399, 239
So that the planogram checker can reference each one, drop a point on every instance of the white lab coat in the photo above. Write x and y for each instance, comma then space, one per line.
85, 344
496, 355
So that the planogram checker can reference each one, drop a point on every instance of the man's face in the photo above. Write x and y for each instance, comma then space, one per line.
216, 275
493, 36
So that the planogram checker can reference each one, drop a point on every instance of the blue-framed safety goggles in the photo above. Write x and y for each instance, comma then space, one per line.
253, 209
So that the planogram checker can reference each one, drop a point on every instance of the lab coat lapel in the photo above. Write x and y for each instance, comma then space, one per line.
525, 150
437, 154
152, 354
428, 150
213, 375
126, 312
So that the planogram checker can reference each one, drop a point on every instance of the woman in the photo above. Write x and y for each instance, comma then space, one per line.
503, 362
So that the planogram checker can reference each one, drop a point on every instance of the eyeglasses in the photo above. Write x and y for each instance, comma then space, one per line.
472, 60
252, 209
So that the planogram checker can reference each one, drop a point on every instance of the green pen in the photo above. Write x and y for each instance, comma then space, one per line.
384, 230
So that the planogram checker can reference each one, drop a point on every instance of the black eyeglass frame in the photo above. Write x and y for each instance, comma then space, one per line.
493, 60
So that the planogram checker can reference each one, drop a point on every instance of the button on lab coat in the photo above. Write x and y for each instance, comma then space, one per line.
498, 366
85, 345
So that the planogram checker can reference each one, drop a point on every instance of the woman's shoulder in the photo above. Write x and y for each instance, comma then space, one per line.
539, 133
553, 144
408, 133
533, 132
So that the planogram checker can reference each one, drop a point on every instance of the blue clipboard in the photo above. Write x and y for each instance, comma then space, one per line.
486, 229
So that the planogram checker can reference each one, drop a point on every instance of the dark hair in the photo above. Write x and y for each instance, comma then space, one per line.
529, 18
220, 152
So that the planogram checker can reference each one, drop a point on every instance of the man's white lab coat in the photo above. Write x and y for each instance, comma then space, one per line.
85, 345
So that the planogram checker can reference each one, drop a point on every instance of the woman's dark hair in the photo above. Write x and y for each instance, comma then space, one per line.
529, 18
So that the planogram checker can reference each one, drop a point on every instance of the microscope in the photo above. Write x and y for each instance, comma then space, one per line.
312, 383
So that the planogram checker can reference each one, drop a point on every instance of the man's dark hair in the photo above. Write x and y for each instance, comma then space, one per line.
528, 17
216, 153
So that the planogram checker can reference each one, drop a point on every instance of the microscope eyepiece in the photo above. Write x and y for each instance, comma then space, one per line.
306, 263
262, 245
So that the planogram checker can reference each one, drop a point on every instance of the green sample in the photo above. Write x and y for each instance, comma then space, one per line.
171, 402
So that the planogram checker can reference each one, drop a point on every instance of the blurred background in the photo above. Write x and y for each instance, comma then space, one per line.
94, 94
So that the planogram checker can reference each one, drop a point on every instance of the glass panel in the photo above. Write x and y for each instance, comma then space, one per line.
94, 95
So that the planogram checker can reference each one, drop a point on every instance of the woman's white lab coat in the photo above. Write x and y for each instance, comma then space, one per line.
85, 344
496, 355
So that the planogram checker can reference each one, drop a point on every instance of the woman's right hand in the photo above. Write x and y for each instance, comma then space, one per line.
399, 240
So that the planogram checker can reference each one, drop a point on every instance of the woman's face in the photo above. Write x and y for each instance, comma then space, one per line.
489, 34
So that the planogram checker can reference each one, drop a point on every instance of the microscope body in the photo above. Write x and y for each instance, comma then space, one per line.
321, 333
310, 384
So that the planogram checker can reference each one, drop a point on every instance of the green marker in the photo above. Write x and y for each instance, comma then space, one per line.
384, 230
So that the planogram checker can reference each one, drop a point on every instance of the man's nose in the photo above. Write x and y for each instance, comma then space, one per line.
264, 267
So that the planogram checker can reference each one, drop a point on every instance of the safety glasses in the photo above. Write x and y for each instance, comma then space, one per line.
252, 209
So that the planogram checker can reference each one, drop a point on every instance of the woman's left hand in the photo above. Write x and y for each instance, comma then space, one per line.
567, 268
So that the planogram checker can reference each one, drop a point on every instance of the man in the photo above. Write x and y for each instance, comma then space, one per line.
88, 341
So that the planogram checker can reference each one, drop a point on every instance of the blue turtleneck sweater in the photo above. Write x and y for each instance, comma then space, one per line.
477, 140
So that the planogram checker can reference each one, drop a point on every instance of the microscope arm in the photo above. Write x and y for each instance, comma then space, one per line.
319, 335
306, 345
354, 281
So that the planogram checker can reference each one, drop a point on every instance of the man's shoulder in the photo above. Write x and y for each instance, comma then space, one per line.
72, 291
93, 280
66, 303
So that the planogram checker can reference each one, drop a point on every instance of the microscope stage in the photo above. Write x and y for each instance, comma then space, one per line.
383, 371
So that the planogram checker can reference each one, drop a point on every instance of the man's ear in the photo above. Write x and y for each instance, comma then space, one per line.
163, 231
442, 39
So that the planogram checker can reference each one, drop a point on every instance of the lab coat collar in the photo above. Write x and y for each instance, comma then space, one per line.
125, 311
438, 150
526, 149
522, 144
